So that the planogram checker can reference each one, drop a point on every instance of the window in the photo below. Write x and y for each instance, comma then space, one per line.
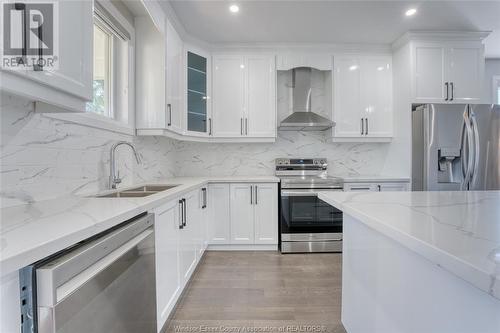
112, 106
111, 65
101, 103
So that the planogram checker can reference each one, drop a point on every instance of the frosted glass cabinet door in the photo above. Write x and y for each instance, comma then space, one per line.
347, 114
465, 68
429, 73
376, 95
261, 96
228, 95
196, 93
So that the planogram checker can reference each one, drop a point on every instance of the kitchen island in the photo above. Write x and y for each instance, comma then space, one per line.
420, 261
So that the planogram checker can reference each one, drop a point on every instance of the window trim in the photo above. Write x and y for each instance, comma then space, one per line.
111, 69
114, 124
495, 88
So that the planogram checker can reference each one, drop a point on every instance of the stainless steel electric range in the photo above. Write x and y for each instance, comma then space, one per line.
307, 223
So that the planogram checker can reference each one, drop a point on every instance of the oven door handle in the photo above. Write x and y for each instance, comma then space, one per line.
299, 193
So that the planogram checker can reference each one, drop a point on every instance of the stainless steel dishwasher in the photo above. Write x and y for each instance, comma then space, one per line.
104, 284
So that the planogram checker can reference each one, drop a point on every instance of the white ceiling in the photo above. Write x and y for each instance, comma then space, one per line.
311, 21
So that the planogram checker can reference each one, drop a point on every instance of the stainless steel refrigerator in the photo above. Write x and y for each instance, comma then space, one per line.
455, 147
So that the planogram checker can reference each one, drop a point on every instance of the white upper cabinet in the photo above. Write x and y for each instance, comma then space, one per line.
70, 85
429, 72
465, 72
174, 91
261, 96
376, 96
244, 96
159, 93
447, 72
362, 97
151, 109
228, 95
347, 96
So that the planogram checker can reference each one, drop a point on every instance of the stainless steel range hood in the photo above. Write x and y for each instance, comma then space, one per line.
302, 118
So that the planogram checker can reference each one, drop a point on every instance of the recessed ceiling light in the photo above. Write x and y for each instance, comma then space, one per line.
234, 8
353, 67
411, 12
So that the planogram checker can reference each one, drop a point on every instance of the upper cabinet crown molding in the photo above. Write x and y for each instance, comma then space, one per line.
439, 36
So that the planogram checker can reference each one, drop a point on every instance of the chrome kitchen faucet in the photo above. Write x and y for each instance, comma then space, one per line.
114, 178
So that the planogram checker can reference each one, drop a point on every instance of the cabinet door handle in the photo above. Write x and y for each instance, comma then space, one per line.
169, 109
204, 196
251, 195
452, 90
362, 127
256, 194
246, 126
181, 217
184, 208
446, 85
366, 128
241, 126
209, 126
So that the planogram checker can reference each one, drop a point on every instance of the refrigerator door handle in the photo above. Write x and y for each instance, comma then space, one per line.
476, 149
468, 147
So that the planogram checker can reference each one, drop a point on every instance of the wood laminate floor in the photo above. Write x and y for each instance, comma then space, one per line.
235, 292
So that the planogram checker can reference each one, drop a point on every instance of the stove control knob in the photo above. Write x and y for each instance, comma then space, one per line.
322, 162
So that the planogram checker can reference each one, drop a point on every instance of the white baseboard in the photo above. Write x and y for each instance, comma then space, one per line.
243, 247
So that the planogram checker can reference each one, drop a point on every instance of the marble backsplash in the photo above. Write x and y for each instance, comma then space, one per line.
210, 159
42, 157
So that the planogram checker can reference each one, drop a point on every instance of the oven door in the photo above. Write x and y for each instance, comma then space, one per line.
302, 212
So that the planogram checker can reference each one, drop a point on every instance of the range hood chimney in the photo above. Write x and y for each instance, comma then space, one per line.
302, 118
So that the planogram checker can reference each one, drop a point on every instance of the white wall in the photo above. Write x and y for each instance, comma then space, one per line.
491, 68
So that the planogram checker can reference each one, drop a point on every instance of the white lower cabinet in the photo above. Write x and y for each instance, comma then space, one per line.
219, 214
376, 187
188, 234
266, 214
219, 229
254, 213
242, 214
167, 222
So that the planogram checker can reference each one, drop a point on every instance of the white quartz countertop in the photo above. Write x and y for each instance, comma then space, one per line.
458, 231
33, 231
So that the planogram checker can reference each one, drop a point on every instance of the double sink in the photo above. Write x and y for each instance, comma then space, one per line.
137, 192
